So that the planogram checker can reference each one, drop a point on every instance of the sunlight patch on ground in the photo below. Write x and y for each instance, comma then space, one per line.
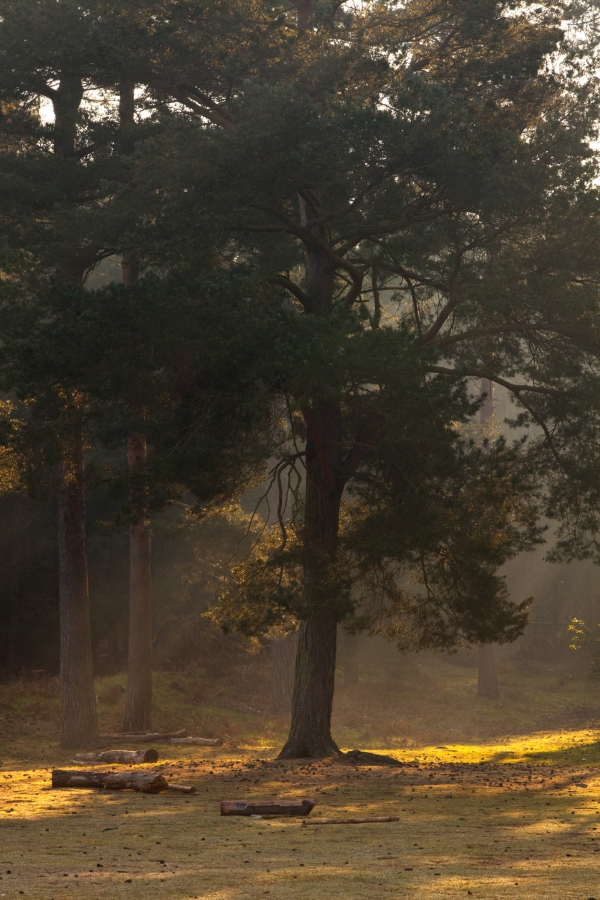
508, 820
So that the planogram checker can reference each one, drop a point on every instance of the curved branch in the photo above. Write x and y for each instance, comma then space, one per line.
498, 329
293, 288
515, 389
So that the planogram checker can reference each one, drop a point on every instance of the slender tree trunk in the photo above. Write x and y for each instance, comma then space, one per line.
138, 699
13, 659
350, 654
487, 680
283, 655
79, 724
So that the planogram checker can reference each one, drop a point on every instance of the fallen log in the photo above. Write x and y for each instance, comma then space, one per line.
146, 782
364, 758
118, 756
267, 808
183, 788
201, 742
364, 821
146, 737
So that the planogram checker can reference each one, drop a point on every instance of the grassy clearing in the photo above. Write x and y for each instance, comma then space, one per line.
479, 816
516, 819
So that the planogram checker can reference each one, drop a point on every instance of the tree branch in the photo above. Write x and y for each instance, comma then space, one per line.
515, 389
497, 329
212, 116
293, 288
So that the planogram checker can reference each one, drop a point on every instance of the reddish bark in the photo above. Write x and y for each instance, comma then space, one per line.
79, 724
138, 699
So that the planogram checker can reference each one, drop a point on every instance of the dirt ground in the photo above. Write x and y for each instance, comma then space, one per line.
518, 819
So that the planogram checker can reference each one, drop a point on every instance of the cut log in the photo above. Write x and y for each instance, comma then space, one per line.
146, 737
267, 808
364, 821
118, 756
364, 758
183, 788
201, 742
146, 782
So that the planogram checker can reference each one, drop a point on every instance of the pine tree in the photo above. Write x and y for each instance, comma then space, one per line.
415, 171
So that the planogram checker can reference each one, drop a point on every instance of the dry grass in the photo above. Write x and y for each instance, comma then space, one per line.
518, 819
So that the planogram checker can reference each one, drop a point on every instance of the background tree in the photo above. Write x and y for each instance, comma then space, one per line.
44, 179
71, 56
487, 678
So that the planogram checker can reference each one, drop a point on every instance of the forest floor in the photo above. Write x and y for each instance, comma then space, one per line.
485, 817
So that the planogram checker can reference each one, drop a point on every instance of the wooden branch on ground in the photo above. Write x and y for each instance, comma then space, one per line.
139, 737
146, 782
364, 821
118, 756
199, 741
267, 808
182, 788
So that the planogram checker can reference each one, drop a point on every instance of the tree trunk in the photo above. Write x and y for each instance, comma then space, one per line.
66, 102
138, 699
314, 679
487, 682
310, 732
350, 660
283, 654
79, 724
14, 656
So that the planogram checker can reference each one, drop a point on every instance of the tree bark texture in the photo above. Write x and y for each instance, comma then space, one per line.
138, 699
66, 102
79, 724
283, 655
312, 703
314, 679
131, 757
146, 782
350, 660
267, 808
304, 12
487, 682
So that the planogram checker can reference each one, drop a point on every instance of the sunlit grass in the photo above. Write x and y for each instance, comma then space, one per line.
516, 818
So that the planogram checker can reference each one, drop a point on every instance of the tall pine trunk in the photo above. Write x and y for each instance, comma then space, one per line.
283, 655
79, 724
314, 681
138, 698
350, 655
487, 681
487, 678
